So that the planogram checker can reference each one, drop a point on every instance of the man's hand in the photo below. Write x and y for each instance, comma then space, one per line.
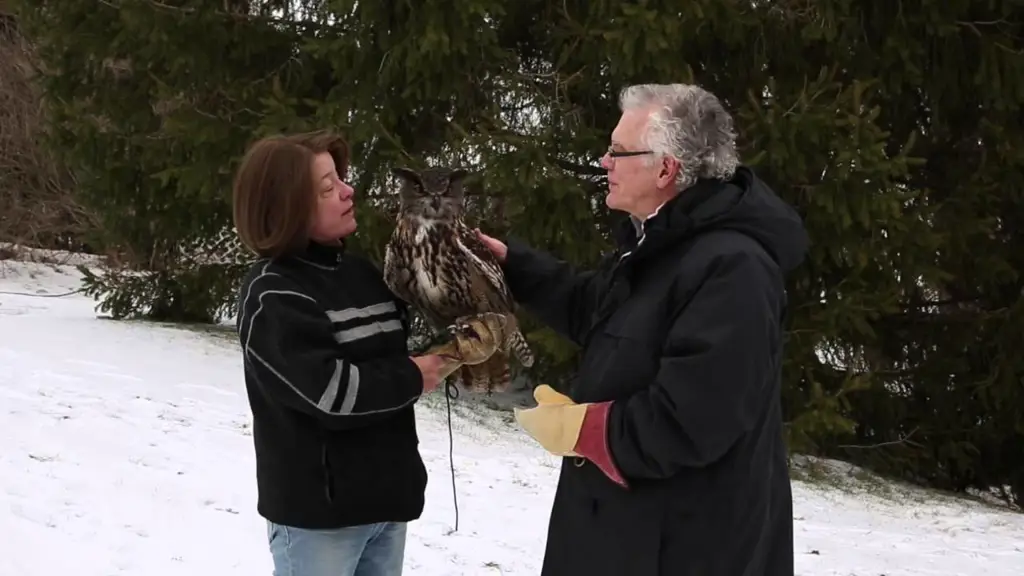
555, 422
566, 428
497, 247
430, 367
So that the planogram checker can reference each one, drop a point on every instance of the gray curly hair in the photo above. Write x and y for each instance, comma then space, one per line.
688, 124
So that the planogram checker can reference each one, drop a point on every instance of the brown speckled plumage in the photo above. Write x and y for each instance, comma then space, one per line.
434, 262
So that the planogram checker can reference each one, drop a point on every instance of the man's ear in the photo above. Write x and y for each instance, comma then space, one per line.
669, 171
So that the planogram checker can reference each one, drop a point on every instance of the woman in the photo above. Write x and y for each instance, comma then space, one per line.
330, 381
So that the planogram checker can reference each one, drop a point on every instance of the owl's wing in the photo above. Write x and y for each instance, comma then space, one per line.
487, 264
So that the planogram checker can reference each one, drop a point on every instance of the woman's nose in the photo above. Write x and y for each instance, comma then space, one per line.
347, 191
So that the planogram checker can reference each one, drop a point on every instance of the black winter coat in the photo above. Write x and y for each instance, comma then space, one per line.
683, 331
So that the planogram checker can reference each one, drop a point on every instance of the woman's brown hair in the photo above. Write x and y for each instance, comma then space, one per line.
273, 194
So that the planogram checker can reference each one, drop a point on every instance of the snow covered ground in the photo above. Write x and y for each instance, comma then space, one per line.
125, 449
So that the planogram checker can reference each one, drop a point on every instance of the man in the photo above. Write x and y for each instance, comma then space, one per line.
672, 431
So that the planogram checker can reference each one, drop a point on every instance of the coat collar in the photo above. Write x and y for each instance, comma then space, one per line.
672, 222
321, 255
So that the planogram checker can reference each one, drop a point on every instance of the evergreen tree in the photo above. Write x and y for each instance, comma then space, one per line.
894, 128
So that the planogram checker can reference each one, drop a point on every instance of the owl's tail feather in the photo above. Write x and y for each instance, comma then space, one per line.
499, 372
475, 378
517, 342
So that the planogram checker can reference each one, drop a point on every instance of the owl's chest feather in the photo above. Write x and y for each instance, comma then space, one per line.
434, 258
432, 285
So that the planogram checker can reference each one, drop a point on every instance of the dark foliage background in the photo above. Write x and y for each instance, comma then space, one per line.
894, 127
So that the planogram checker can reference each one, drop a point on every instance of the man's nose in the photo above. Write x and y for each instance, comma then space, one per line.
606, 162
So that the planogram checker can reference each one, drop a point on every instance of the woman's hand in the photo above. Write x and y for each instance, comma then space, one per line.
430, 367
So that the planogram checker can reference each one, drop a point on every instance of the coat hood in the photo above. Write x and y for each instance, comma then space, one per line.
744, 203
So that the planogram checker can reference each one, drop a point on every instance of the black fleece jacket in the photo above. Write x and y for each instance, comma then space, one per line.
331, 388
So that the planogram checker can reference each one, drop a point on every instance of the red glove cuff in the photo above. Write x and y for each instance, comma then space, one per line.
593, 442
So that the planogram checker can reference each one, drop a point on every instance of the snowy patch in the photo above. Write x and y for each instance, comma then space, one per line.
127, 451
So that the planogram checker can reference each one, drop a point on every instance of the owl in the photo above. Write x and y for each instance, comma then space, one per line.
436, 263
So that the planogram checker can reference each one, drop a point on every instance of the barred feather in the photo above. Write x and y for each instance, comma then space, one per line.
434, 262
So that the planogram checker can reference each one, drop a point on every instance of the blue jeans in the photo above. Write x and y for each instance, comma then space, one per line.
370, 550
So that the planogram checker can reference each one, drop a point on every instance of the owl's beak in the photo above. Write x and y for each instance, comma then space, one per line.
436, 203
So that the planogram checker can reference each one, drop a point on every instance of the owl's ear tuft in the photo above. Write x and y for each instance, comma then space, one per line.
406, 174
458, 175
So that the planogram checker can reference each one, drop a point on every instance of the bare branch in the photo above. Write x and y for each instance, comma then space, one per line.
903, 439
37, 204
235, 14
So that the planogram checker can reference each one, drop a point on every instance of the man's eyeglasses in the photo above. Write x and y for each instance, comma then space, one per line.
613, 154
625, 153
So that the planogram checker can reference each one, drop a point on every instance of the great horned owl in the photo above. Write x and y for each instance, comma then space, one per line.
436, 263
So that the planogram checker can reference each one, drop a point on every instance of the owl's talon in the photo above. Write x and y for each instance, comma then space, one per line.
466, 331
